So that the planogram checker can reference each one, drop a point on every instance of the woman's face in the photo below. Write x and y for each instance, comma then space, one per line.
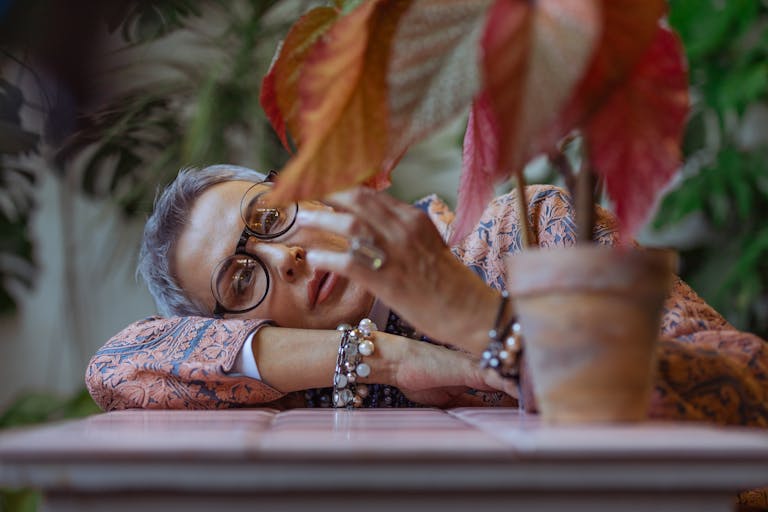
299, 296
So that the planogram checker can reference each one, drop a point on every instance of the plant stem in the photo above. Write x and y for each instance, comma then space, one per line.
522, 212
581, 185
585, 203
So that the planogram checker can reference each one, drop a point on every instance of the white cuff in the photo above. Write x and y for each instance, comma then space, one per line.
245, 363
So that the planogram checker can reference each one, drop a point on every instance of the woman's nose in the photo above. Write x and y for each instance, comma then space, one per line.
287, 262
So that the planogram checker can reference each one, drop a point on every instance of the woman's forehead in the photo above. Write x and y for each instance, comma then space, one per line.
223, 200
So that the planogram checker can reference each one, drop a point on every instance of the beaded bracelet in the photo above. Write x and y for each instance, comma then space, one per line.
356, 342
505, 348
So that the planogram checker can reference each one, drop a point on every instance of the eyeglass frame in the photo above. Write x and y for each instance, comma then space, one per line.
219, 310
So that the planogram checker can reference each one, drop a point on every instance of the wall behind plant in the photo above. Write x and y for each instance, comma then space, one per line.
84, 291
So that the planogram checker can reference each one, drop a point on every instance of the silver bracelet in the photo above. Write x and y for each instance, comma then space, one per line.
505, 348
356, 342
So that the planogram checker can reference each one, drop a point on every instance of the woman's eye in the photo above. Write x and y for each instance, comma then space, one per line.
266, 220
241, 282
270, 219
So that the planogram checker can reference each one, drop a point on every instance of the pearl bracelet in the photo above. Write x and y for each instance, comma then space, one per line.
505, 348
356, 342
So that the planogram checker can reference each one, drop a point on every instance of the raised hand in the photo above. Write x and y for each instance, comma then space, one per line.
398, 254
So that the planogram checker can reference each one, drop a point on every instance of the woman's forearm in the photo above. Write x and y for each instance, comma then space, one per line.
298, 359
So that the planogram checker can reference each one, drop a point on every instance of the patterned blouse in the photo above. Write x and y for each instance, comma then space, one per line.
708, 370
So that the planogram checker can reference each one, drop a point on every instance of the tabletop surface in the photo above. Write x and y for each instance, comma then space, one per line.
320, 459
409, 450
479, 432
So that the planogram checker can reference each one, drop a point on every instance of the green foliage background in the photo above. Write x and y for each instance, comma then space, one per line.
725, 179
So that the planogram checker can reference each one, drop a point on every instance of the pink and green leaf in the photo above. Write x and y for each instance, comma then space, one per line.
533, 55
268, 100
433, 71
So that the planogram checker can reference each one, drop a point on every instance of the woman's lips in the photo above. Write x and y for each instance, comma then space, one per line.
327, 284
320, 287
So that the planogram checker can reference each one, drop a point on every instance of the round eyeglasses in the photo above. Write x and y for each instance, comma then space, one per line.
240, 282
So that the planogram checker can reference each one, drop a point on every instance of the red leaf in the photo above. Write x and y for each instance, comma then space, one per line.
634, 138
342, 97
268, 100
628, 29
534, 54
380, 180
479, 167
280, 90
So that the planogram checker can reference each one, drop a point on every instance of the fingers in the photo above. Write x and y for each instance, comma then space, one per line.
355, 199
383, 219
399, 255
344, 224
369, 204
497, 382
372, 231
340, 262
361, 243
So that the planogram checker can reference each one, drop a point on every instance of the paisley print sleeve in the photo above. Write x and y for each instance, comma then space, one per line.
708, 370
439, 213
175, 363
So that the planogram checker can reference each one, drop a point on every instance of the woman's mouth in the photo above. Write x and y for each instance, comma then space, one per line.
321, 287
327, 284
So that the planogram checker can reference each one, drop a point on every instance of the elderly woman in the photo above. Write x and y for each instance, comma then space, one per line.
252, 297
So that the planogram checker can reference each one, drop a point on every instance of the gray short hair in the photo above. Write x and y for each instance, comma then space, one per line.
164, 228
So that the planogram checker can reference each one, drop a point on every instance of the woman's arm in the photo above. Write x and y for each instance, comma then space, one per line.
184, 363
175, 363
298, 359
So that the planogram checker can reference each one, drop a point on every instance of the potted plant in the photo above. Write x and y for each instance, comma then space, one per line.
354, 84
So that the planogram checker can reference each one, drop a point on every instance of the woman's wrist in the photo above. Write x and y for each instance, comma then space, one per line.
390, 352
296, 359
470, 329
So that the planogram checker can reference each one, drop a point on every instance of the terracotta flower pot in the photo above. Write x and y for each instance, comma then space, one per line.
590, 318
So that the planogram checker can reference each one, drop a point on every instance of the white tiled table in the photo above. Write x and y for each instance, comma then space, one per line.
372, 460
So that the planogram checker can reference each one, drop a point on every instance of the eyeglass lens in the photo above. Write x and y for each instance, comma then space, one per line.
263, 219
242, 282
